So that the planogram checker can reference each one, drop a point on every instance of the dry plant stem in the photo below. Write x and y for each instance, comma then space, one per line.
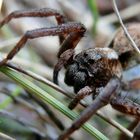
131, 128
43, 70
102, 100
50, 113
19, 100
115, 124
57, 88
124, 28
38, 78
1, 1
46, 108
137, 133
5, 137
125, 14
22, 122
9, 42
30, 106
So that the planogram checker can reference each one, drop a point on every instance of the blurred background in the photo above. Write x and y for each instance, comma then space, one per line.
26, 118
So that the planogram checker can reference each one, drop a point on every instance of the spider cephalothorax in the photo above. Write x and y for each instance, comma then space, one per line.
93, 67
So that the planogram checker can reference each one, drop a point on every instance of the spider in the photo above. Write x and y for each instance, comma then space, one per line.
96, 71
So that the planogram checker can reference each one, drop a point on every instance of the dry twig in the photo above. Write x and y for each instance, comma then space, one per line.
22, 122
124, 28
5, 137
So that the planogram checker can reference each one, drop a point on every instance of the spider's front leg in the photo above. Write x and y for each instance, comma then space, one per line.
75, 31
66, 52
80, 95
101, 100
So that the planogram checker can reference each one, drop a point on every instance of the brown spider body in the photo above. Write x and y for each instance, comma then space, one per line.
87, 71
93, 68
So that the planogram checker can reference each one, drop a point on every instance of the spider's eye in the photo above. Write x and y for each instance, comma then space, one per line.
85, 54
91, 61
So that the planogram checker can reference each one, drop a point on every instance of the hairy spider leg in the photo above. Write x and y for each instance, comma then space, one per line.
80, 95
66, 51
101, 100
42, 13
72, 36
126, 106
41, 32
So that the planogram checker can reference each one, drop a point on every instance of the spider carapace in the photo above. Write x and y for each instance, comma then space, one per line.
93, 68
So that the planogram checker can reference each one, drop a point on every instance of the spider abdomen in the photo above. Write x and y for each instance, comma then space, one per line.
92, 67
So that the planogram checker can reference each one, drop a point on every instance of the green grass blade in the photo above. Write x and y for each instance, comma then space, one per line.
8, 100
95, 15
45, 97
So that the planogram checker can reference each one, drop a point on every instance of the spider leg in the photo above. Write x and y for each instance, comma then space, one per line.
102, 100
41, 32
63, 60
66, 50
126, 106
79, 96
44, 12
71, 41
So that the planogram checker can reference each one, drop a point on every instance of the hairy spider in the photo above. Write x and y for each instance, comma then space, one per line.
91, 71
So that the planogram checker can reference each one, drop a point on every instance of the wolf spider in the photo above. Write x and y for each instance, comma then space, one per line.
89, 72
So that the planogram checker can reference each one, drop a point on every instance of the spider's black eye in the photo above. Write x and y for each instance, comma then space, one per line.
85, 54
91, 61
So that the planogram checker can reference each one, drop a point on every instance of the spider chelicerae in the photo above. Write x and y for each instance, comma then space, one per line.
87, 71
